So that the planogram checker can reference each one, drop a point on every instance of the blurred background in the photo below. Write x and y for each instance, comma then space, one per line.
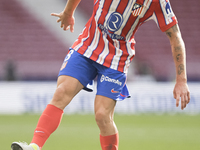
33, 47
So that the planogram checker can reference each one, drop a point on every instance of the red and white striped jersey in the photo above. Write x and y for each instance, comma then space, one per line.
108, 36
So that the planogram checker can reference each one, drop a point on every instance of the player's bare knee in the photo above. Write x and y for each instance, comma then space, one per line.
61, 98
102, 119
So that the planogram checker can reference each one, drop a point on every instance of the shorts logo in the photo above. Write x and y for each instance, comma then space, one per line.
113, 91
107, 79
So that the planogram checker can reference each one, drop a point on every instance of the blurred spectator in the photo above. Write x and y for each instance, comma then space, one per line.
10, 71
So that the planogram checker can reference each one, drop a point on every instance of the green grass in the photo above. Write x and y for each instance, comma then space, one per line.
80, 132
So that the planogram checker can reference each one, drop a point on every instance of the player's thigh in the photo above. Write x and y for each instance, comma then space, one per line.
104, 107
70, 85
79, 67
67, 88
76, 72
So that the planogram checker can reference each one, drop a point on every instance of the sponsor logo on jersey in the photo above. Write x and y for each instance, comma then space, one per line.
137, 9
108, 79
113, 24
114, 21
112, 36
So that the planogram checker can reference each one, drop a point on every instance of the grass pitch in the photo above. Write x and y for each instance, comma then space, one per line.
80, 132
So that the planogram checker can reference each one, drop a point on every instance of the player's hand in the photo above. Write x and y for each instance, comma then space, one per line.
67, 21
181, 93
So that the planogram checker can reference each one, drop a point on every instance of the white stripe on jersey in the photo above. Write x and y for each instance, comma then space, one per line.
96, 38
113, 7
94, 43
126, 15
116, 58
119, 52
82, 40
100, 32
131, 52
99, 10
105, 52
128, 61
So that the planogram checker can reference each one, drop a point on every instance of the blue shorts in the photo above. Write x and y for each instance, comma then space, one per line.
110, 83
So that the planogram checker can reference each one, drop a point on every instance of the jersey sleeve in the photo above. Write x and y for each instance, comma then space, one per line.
164, 16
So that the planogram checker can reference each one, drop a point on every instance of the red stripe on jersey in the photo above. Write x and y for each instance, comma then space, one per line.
109, 57
101, 20
122, 5
112, 49
100, 46
95, 42
96, 4
82, 36
91, 35
87, 35
105, 9
123, 57
165, 28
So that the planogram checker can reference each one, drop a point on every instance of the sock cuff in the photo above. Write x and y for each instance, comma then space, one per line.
51, 109
110, 140
109, 136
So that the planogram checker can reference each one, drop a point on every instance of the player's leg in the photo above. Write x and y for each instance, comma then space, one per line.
111, 87
104, 116
76, 72
67, 88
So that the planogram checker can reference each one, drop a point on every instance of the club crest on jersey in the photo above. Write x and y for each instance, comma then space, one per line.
137, 9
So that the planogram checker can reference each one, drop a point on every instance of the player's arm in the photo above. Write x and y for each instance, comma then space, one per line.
181, 90
66, 17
